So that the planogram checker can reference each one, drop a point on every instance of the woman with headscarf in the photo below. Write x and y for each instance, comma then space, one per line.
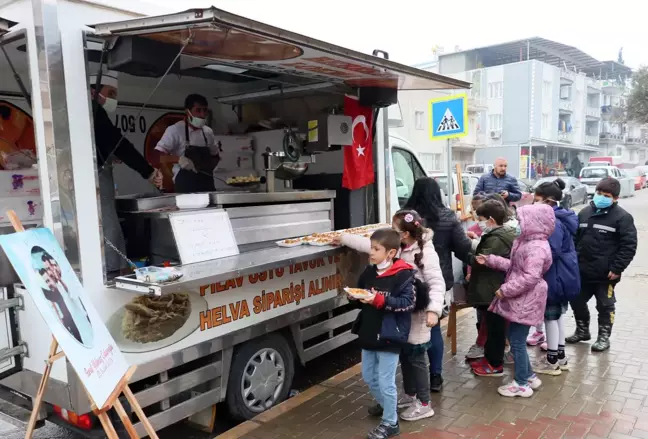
449, 237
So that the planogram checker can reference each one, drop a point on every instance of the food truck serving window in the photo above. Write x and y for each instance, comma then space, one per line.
215, 36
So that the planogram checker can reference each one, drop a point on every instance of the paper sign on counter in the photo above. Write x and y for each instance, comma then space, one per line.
203, 236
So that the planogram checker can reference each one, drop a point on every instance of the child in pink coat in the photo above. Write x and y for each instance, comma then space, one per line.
522, 297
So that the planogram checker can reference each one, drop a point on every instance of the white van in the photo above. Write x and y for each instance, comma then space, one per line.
479, 169
591, 175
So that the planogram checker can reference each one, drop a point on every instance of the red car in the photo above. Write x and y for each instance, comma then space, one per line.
639, 177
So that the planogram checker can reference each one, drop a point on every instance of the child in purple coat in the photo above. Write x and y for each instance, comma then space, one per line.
522, 297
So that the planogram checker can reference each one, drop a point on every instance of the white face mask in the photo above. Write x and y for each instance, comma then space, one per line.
110, 104
485, 228
384, 264
196, 122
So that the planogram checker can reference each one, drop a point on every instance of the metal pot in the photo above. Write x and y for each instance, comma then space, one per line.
290, 171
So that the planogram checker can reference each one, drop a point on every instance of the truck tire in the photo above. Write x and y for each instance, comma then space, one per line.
261, 376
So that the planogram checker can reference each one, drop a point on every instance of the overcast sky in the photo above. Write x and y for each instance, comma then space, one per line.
598, 27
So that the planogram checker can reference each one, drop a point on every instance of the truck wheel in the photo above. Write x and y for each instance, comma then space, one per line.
261, 375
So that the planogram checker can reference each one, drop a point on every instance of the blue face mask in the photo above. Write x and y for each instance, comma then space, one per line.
601, 202
518, 230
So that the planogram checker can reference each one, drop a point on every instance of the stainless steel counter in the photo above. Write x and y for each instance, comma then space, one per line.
204, 273
233, 198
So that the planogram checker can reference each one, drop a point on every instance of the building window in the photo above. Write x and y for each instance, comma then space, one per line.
418, 120
546, 89
431, 162
545, 121
495, 90
495, 122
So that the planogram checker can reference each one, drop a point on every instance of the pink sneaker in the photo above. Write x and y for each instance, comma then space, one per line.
543, 346
535, 338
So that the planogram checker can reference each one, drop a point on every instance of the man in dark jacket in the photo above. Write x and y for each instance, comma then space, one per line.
110, 145
498, 181
606, 243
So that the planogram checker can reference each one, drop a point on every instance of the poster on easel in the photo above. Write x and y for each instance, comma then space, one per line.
60, 298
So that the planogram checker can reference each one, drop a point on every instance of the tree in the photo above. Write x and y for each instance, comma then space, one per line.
637, 107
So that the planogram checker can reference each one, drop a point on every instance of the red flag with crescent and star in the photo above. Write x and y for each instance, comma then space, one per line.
358, 157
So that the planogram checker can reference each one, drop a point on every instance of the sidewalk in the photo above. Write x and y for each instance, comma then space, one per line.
603, 396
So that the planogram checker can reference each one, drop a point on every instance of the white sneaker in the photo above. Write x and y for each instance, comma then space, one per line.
406, 401
475, 352
534, 382
543, 366
564, 365
417, 411
514, 389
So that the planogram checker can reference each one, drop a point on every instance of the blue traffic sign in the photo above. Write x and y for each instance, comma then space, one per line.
448, 117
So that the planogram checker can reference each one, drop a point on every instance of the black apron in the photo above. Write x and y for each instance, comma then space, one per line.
203, 180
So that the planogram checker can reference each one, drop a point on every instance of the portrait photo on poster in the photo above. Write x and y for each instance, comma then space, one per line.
67, 304
67, 310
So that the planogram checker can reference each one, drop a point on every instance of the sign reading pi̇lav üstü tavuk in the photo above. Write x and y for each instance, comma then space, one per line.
61, 300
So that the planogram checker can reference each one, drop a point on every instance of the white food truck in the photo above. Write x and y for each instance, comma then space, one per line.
253, 315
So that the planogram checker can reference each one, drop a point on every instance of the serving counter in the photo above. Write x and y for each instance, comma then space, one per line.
200, 274
258, 220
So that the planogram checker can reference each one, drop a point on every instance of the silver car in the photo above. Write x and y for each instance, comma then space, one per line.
574, 193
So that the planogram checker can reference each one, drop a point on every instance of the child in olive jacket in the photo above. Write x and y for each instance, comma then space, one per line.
484, 282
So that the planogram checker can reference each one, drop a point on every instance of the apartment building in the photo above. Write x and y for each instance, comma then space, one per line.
619, 137
534, 93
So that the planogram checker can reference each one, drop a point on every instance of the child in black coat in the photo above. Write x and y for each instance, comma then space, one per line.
383, 325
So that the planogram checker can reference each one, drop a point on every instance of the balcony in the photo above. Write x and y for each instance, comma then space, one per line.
636, 142
564, 136
567, 76
591, 140
613, 112
565, 106
477, 104
593, 112
610, 138
593, 86
612, 88
469, 142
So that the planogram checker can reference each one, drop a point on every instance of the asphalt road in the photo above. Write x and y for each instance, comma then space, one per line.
314, 373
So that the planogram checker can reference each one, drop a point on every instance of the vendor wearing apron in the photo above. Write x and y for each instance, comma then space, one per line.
111, 146
192, 141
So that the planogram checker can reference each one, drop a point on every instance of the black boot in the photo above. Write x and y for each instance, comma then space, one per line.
582, 332
436, 382
603, 341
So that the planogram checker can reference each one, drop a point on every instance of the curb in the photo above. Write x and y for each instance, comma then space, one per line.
299, 399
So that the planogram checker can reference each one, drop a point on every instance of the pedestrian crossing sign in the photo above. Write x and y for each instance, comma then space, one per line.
448, 117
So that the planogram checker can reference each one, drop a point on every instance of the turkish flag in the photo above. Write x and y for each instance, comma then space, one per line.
358, 157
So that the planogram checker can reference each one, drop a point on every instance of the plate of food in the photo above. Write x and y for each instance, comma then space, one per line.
320, 242
148, 323
294, 242
244, 181
358, 293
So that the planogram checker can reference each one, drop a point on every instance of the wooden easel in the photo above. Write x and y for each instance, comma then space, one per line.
113, 399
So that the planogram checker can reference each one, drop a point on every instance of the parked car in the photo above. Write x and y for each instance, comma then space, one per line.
469, 182
639, 177
574, 193
644, 168
479, 169
527, 195
591, 175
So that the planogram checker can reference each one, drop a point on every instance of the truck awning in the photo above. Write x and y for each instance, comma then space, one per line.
221, 37
6, 25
